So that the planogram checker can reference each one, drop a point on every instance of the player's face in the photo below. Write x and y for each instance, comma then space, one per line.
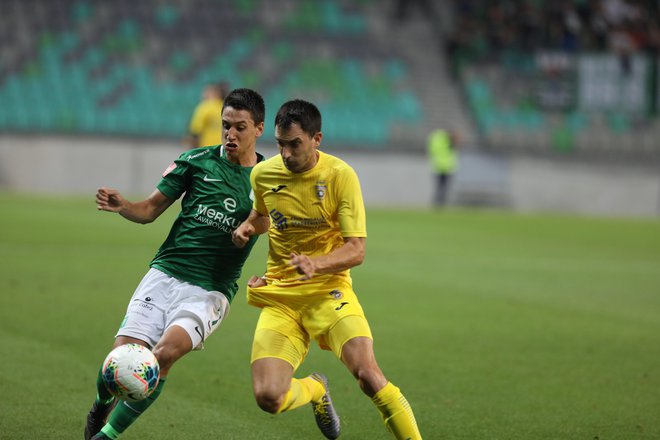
239, 133
298, 149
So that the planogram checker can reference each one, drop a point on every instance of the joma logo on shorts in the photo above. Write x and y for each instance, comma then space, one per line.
341, 306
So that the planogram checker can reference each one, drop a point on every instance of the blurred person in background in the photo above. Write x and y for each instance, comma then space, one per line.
191, 282
443, 153
205, 125
310, 203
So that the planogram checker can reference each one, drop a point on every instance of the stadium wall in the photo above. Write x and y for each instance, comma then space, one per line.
78, 165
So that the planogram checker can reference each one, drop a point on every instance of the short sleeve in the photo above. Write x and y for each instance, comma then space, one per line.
175, 178
258, 204
351, 212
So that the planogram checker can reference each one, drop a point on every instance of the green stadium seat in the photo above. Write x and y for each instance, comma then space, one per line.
180, 61
118, 82
395, 70
576, 121
618, 122
167, 16
82, 11
246, 6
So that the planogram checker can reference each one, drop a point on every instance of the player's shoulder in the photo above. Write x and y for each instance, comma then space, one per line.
331, 160
210, 105
198, 154
335, 163
273, 163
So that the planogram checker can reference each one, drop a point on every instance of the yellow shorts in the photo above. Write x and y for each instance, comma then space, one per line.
288, 322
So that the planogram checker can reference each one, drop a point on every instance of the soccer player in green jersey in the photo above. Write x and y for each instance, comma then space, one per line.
192, 279
310, 203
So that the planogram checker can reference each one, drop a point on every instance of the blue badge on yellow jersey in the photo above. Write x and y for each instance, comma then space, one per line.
321, 189
337, 294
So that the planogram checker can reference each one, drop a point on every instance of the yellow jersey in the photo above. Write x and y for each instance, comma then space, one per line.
310, 213
206, 122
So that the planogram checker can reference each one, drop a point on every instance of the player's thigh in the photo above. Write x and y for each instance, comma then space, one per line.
336, 318
161, 301
147, 310
279, 334
197, 311
174, 344
350, 328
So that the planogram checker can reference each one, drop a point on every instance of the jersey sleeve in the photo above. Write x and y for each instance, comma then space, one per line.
351, 212
258, 204
174, 181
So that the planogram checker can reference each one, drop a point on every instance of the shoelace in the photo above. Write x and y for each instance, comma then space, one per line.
319, 409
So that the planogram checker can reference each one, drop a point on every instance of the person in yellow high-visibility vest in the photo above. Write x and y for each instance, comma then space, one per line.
442, 149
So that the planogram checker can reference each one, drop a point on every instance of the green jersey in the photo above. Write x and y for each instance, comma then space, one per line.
217, 199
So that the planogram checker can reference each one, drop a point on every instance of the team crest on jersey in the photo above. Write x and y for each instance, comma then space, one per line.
168, 169
321, 189
337, 294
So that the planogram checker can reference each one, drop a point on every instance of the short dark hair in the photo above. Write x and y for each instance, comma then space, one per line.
247, 99
306, 114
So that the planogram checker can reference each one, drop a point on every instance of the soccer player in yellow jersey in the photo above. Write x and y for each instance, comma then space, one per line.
310, 203
205, 126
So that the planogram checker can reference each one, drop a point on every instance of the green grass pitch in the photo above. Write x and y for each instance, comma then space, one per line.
494, 325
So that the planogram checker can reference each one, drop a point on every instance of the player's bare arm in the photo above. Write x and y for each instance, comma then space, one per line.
255, 224
145, 211
349, 255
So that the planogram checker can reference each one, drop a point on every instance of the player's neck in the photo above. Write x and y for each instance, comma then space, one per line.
247, 159
312, 163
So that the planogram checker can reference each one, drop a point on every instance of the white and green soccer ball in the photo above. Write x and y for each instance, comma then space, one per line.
131, 372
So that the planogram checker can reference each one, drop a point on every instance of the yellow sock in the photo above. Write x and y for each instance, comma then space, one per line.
397, 413
302, 391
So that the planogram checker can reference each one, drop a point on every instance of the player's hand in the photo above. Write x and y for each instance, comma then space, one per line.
108, 199
256, 281
304, 266
242, 234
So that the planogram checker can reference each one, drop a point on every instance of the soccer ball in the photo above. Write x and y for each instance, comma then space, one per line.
131, 372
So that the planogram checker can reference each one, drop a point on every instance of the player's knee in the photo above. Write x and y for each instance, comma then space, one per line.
370, 379
166, 356
269, 400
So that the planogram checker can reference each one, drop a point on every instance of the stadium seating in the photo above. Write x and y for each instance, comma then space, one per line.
138, 68
548, 82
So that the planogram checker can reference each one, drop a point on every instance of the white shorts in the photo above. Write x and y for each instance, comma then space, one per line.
161, 301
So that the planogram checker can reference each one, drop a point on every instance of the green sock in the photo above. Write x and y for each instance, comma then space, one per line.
103, 396
126, 413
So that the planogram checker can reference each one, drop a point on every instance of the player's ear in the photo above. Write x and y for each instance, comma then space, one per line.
317, 139
260, 128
